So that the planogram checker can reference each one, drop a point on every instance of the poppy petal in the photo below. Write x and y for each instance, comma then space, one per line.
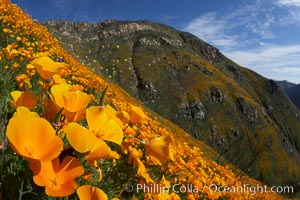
71, 168
142, 171
158, 149
65, 189
112, 132
112, 114
88, 192
42, 171
58, 178
137, 115
33, 138
95, 117
15, 95
27, 99
46, 67
100, 150
25, 113
75, 100
57, 91
80, 138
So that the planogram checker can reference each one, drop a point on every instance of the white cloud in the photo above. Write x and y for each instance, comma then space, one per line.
291, 12
211, 29
232, 29
266, 54
256, 18
274, 61
289, 3
262, 27
245, 35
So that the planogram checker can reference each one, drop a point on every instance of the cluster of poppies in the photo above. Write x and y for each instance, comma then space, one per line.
42, 144
63, 127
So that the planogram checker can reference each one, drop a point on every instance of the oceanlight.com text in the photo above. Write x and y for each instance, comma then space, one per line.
213, 188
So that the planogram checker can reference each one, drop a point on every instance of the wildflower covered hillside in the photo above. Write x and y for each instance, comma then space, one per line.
66, 132
245, 117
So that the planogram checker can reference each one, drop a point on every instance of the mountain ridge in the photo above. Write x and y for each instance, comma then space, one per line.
294, 94
292, 91
285, 84
201, 90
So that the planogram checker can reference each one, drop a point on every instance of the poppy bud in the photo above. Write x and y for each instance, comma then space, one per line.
103, 98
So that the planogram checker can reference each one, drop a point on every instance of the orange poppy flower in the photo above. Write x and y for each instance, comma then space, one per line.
103, 126
129, 131
91, 140
33, 137
137, 115
82, 139
123, 116
73, 102
57, 79
10, 52
134, 156
58, 178
88, 192
113, 155
112, 114
26, 98
158, 149
46, 67
142, 172
174, 196
30, 70
98, 151
57, 93
164, 182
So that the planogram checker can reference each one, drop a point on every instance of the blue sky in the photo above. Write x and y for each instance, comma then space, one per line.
263, 35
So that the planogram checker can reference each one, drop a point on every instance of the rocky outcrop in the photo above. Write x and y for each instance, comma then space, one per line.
248, 111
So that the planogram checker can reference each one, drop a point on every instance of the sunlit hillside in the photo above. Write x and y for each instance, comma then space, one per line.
245, 117
66, 133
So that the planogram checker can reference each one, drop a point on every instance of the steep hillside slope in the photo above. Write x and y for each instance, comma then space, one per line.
37, 74
245, 117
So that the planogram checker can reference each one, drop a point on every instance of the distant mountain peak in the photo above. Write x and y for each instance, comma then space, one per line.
284, 84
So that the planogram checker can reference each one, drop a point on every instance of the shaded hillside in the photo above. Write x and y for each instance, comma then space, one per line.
292, 90
294, 94
245, 117
285, 84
